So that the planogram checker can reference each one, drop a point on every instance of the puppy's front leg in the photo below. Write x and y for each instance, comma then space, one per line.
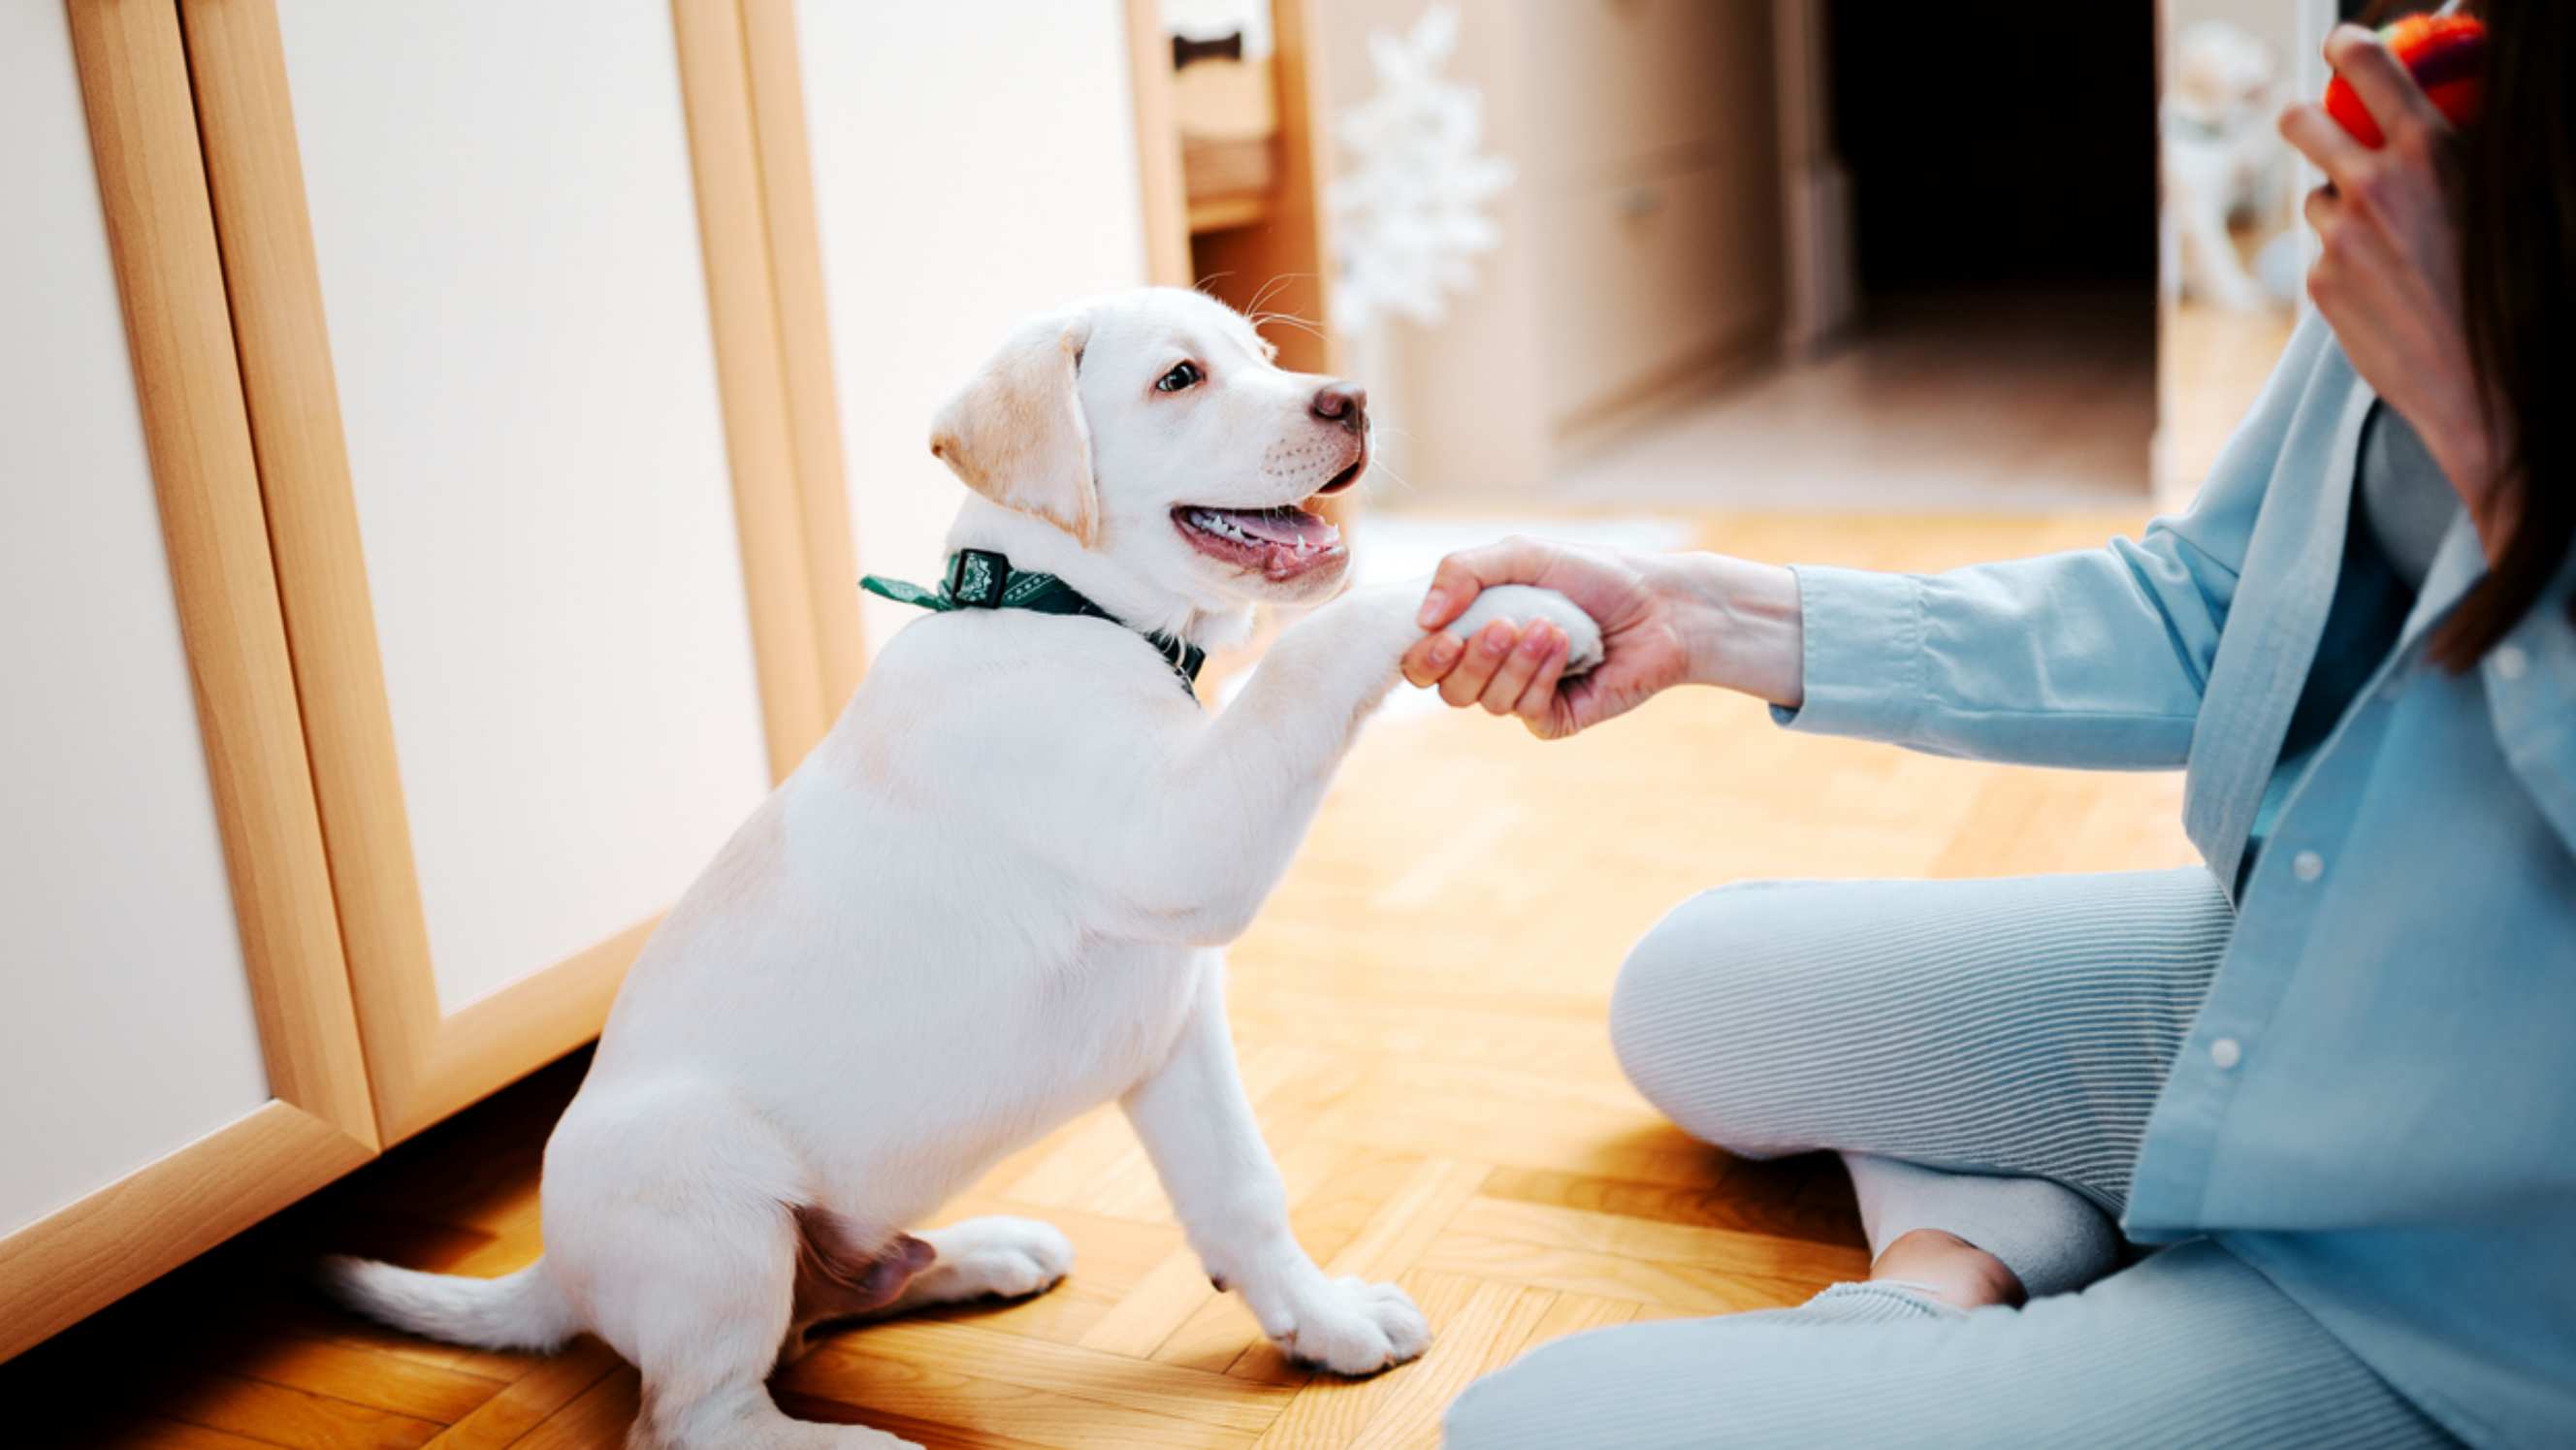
1199, 1129
1233, 802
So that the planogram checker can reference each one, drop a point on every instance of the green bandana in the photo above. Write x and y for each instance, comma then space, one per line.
982, 579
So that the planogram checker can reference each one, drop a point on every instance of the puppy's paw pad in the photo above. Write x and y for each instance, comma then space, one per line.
1522, 604
1006, 1258
1358, 1328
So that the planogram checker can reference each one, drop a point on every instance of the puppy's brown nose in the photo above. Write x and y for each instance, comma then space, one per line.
1343, 403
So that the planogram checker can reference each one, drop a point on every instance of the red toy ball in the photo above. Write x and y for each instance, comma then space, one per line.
2447, 54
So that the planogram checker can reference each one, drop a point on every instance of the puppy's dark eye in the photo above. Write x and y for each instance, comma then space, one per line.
1186, 375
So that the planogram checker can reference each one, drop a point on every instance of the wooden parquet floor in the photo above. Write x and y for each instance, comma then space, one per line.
1420, 1019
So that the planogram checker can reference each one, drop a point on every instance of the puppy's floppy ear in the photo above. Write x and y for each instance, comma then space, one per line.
1016, 434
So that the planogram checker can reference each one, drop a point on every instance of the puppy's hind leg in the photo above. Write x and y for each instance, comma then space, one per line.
842, 1277
708, 1344
988, 1258
690, 1271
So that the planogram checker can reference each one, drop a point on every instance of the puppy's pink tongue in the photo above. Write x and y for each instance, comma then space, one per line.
1288, 526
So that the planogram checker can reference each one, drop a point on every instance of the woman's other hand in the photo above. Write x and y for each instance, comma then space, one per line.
2387, 279
1665, 620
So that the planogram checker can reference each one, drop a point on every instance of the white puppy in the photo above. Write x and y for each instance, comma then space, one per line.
2222, 159
992, 898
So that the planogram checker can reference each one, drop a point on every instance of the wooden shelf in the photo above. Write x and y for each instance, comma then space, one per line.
1249, 136
1222, 213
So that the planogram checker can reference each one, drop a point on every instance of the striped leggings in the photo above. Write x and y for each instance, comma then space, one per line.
2016, 1027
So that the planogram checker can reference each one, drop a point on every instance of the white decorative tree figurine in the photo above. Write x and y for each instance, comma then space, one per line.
1409, 208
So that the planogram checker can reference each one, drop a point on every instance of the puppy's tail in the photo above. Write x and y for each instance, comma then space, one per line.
516, 1311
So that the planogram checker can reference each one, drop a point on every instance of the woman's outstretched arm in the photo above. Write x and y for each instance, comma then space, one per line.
2093, 658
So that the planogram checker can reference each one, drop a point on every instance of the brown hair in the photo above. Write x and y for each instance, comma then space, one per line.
2518, 260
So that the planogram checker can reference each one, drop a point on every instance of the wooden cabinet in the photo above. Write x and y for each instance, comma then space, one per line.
520, 345
180, 1057
531, 528
426, 543
131, 993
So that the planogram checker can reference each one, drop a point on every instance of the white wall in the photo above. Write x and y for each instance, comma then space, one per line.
508, 239
972, 164
127, 1028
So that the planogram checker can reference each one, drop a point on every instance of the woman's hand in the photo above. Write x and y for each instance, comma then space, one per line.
1665, 620
2388, 278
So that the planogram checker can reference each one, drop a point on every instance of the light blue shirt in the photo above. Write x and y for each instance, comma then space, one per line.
2377, 1105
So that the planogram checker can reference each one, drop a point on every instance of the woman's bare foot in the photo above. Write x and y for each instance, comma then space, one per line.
1955, 1270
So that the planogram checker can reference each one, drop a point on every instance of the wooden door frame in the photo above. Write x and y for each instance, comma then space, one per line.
320, 1123
423, 1062
792, 250
1159, 182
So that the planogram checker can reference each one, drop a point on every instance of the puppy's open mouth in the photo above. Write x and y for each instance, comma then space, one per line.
1284, 542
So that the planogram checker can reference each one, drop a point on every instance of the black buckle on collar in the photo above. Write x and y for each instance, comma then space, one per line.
977, 578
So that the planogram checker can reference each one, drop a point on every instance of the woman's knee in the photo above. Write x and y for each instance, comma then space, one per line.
1536, 1401
1659, 1386
1496, 1412
1706, 1014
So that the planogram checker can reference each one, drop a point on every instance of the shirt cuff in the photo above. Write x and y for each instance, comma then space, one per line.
1863, 642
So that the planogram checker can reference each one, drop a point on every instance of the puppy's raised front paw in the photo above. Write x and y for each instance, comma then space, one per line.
1523, 604
1354, 1327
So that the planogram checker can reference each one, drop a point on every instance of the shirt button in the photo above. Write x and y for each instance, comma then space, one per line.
2225, 1053
2511, 663
2307, 865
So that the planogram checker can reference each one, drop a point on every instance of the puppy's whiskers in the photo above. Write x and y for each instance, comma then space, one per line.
1277, 281
1379, 466
1263, 294
1264, 319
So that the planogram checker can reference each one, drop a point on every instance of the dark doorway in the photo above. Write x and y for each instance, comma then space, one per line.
1998, 143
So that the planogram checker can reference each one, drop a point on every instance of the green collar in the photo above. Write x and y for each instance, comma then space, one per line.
982, 579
